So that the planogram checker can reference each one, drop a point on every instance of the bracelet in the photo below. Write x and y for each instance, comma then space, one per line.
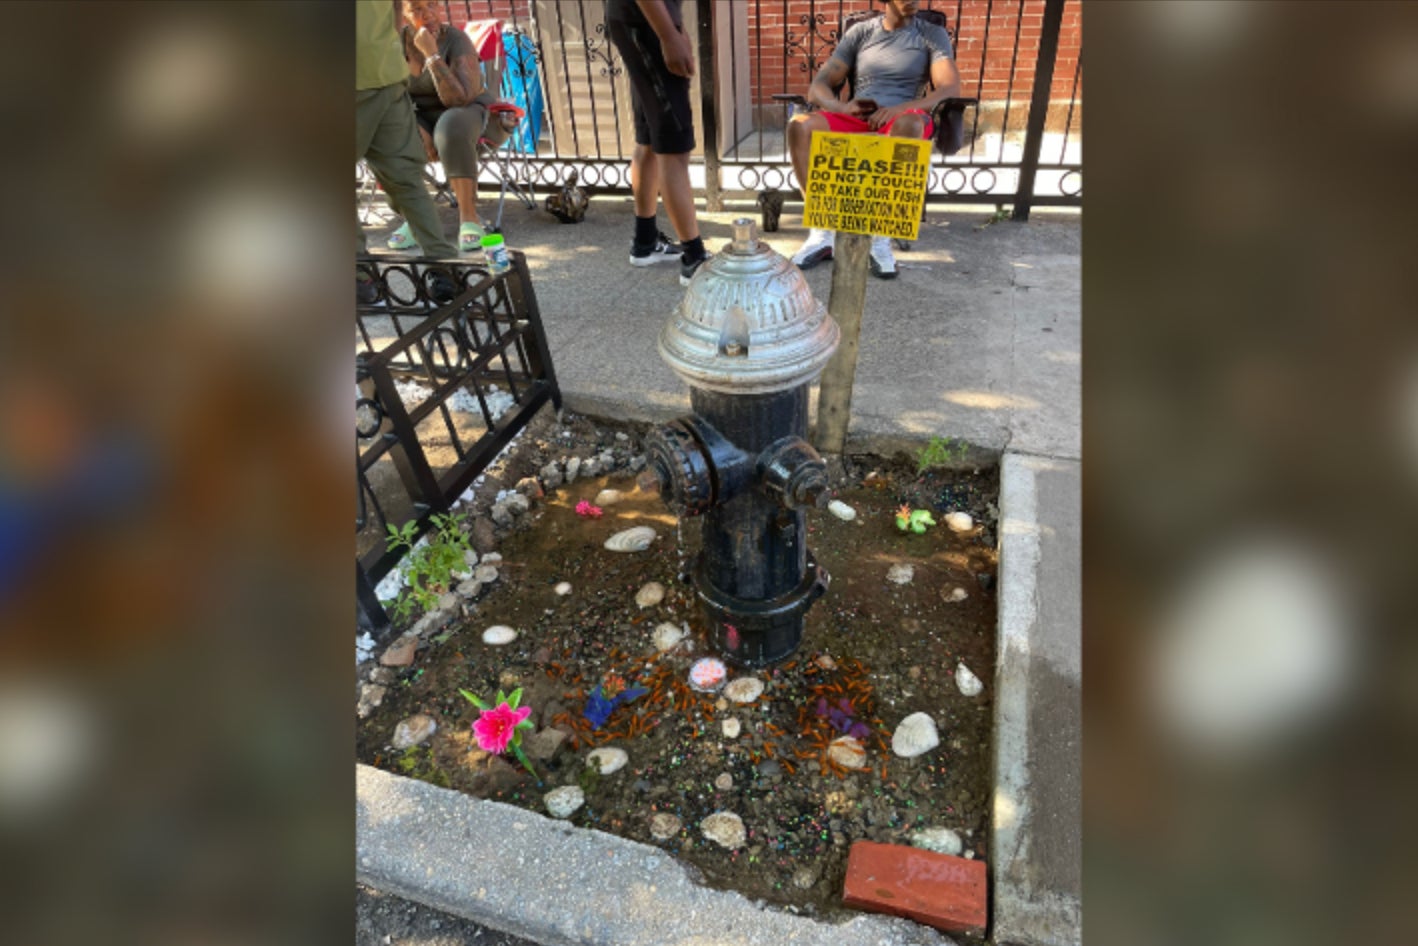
428, 60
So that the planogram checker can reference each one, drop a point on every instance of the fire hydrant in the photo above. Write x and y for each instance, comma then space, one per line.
748, 338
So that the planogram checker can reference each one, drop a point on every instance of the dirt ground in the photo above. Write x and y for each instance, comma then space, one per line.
887, 649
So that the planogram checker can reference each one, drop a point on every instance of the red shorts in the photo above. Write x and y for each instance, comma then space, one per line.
850, 124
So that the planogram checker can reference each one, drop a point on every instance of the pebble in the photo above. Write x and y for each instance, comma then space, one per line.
901, 573
492, 558
501, 513
847, 752
841, 510
744, 689
725, 829
563, 802
804, 878
370, 696
664, 826
470, 588
448, 601
940, 840
915, 735
485, 573
609, 759
530, 487
825, 662
731, 728
414, 730
499, 634
382, 676
563, 588
667, 636
401, 652
955, 594
768, 768
650, 595
573, 469
724, 782
968, 683
959, 521
608, 497
545, 744
551, 475
470, 557
622, 436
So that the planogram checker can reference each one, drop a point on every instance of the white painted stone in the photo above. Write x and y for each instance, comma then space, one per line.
956, 594
968, 683
725, 829
563, 588
744, 689
915, 735
667, 636
608, 497
841, 510
731, 728
650, 595
563, 802
609, 758
498, 635
959, 521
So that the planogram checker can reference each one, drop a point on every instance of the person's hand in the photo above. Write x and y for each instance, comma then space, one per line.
425, 42
885, 116
678, 53
861, 109
429, 150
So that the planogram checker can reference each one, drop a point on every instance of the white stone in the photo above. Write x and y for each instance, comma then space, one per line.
667, 636
492, 558
370, 696
608, 497
563, 588
470, 557
650, 595
664, 826
959, 521
841, 510
968, 683
825, 662
847, 752
731, 728
724, 782
901, 573
956, 594
940, 840
499, 634
636, 539
610, 759
725, 829
470, 588
744, 689
915, 735
485, 573
414, 730
563, 802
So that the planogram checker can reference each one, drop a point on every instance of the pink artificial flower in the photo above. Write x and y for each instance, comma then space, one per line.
584, 508
495, 728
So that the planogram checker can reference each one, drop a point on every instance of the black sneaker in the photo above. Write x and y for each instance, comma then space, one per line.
687, 270
366, 291
663, 251
441, 287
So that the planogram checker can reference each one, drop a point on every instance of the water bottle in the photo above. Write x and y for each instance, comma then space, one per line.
496, 252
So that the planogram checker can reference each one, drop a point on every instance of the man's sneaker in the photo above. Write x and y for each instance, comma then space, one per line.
663, 251
366, 290
687, 270
883, 261
441, 287
816, 248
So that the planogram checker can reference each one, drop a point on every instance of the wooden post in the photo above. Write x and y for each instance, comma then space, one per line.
845, 304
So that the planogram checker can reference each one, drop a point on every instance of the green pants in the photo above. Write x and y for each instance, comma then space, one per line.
386, 136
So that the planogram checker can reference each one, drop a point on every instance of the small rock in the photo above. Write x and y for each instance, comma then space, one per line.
901, 573
470, 588
744, 689
637, 463
667, 636
551, 475
591, 467
518, 503
485, 573
768, 768
805, 877
544, 744
502, 514
370, 696
731, 728
641, 785
622, 436
608, 497
432, 621
607, 458
847, 752
986, 580
940, 840
448, 601
841, 510
968, 683
470, 557
383, 676
401, 652
915, 735
563, 588
531, 487
492, 558
563, 802
484, 536
412, 731
498, 635
721, 704
725, 829
959, 521
724, 782
969, 855
914, 673
955, 594
573, 469
650, 595
664, 826
825, 662
609, 759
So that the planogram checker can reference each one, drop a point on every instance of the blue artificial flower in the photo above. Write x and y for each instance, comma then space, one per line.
599, 707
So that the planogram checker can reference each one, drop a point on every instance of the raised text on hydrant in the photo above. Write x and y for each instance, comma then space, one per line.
868, 184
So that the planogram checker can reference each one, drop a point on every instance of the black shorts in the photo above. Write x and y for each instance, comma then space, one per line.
660, 99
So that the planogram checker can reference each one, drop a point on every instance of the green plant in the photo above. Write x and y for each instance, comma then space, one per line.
418, 762
1000, 215
941, 451
429, 565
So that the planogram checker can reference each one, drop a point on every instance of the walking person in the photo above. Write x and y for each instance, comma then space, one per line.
659, 61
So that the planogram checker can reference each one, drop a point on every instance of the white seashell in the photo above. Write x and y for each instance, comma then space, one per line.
667, 636
608, 497
916, 735
731, 728
637, 539
499, 634
956, 594
563, 802
707, 674
649, 596
609, 759
968, 683
412, 731
744, 689
901, 573
725, 829
959, 521
847, 752
841, 510
563, 588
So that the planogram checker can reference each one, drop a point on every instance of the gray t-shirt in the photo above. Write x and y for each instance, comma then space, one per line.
891, 64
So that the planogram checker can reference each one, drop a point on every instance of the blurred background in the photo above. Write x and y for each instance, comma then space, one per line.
175, 603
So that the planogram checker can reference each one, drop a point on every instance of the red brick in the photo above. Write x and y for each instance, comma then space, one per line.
946, 892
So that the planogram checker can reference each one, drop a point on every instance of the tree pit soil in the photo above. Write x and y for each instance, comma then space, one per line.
888, 649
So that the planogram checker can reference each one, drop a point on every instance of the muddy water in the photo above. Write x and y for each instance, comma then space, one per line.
891, 650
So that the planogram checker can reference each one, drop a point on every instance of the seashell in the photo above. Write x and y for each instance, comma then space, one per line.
609, 759
563, 802
608, 497
847, 752
637, 539
744, 689
901, 573
915, 735
563, 588
959, 521
731, 728
841, 510
667, 636
968, 683
955, 594
707, 674
649, 596
725, 829
499, 634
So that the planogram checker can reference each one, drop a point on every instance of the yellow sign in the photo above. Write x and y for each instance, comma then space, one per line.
866, 184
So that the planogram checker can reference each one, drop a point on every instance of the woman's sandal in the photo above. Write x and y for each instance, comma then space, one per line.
403, 239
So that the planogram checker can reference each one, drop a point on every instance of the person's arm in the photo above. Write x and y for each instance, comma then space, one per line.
458, 82
674, 43
945, 84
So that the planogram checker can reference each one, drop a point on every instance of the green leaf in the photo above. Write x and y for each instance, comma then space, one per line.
526, 724
474, 700
517, 751
514, 697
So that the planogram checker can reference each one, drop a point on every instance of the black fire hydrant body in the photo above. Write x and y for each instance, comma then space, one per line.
749, 339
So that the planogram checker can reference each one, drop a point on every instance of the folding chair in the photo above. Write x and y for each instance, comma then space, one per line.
486, 36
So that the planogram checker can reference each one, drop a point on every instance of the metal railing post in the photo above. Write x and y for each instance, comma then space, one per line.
708, 92
1038, 107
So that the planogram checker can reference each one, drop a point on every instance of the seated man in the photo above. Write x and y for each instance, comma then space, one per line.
892, 53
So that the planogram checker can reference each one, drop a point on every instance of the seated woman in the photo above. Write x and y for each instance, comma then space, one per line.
451, 105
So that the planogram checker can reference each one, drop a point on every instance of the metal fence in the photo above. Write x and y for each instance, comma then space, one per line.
1023, 142
441, 390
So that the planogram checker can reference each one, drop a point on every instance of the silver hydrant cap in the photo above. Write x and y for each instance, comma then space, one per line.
748, 324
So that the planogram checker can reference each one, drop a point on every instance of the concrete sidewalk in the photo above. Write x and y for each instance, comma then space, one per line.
978, 340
